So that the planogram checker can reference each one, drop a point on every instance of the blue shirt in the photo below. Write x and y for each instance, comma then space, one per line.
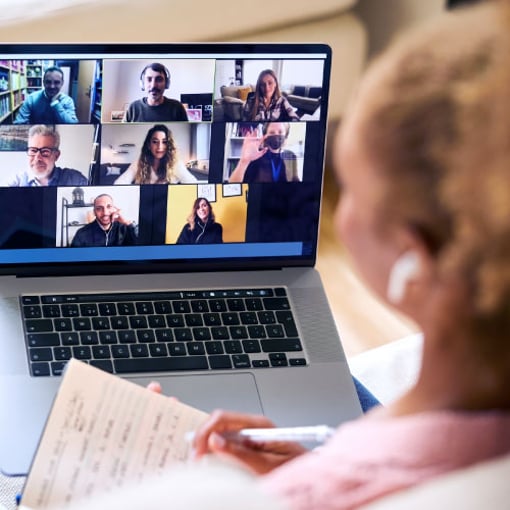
59, 177
38, 109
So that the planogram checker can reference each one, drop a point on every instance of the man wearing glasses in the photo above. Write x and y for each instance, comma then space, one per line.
49, 105
43, 152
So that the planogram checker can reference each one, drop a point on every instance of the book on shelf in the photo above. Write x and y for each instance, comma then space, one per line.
105, 432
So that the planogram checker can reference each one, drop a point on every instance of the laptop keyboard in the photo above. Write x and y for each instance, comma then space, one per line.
137, 332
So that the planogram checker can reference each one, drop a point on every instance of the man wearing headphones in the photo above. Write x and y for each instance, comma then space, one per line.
154, 80
263, 159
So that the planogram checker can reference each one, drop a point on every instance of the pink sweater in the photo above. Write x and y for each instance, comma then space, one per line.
377, 455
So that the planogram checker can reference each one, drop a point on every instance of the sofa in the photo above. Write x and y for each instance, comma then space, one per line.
305, 99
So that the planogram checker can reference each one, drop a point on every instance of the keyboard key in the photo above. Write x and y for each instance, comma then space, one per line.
266, 317
183, 334
126, 308
40, 369
51, 311
284, 345
144, 308
177, 349
158, 350
214, 347
199, 305
101, 352
251, 346
123, 366
217, 305
62, 353
89, 338
220, 362
220, 333
139, 350
163, 307
38, 325
57, 367
120, 351
126, 336
286, 319
43, 339
40, 354
82, 324
195, 348
241, 361
82, 352
145, 335
69, 338
107, 337
63, 325
278, 359
260, 363
233, 346
32, 312
107, 309
103, 364
181, 307
276, 303
164, 335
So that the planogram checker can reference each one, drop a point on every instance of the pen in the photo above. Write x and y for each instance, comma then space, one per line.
316, 434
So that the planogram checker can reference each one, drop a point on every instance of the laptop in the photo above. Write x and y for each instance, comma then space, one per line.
94, 252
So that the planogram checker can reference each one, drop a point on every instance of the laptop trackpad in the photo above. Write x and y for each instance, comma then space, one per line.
211, 391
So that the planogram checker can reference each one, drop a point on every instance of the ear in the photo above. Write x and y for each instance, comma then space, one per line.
57, 155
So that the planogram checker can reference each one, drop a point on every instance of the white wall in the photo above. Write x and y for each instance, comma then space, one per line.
121, 80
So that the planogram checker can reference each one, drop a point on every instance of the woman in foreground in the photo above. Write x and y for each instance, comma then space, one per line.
423, 161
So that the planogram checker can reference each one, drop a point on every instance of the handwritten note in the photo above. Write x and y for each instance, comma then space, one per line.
104, 432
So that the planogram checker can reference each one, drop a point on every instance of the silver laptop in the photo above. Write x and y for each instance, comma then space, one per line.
160, 221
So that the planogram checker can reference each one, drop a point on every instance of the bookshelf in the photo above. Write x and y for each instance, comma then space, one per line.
18, 78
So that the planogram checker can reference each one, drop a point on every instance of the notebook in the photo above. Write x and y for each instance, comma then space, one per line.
159, 172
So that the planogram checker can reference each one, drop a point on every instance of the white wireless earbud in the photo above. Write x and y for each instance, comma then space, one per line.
404, 268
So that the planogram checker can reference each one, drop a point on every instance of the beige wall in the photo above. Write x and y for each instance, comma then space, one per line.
385, 18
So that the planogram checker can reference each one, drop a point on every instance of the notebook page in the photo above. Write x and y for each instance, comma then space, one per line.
105, 432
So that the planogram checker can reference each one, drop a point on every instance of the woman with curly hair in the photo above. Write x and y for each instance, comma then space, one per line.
158, 162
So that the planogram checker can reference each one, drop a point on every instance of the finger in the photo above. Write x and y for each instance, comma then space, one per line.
154, 386
224, 421
250, 454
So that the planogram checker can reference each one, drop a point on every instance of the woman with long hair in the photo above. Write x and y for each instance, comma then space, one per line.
158, 162
267, 102
201, 227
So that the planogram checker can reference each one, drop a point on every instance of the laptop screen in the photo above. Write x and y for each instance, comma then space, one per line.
160, 157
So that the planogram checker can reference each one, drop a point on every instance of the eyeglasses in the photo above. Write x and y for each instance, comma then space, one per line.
45, 151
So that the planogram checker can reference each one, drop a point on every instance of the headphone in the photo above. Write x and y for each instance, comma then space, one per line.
158, 68
404, 269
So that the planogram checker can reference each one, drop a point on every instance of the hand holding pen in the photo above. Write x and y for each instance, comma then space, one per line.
221, 434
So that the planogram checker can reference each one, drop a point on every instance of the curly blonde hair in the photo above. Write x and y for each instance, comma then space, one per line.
435, 112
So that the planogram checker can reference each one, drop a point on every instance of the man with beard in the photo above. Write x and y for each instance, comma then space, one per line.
43, 152
109, 228
154, 80
263, 159
49, 105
